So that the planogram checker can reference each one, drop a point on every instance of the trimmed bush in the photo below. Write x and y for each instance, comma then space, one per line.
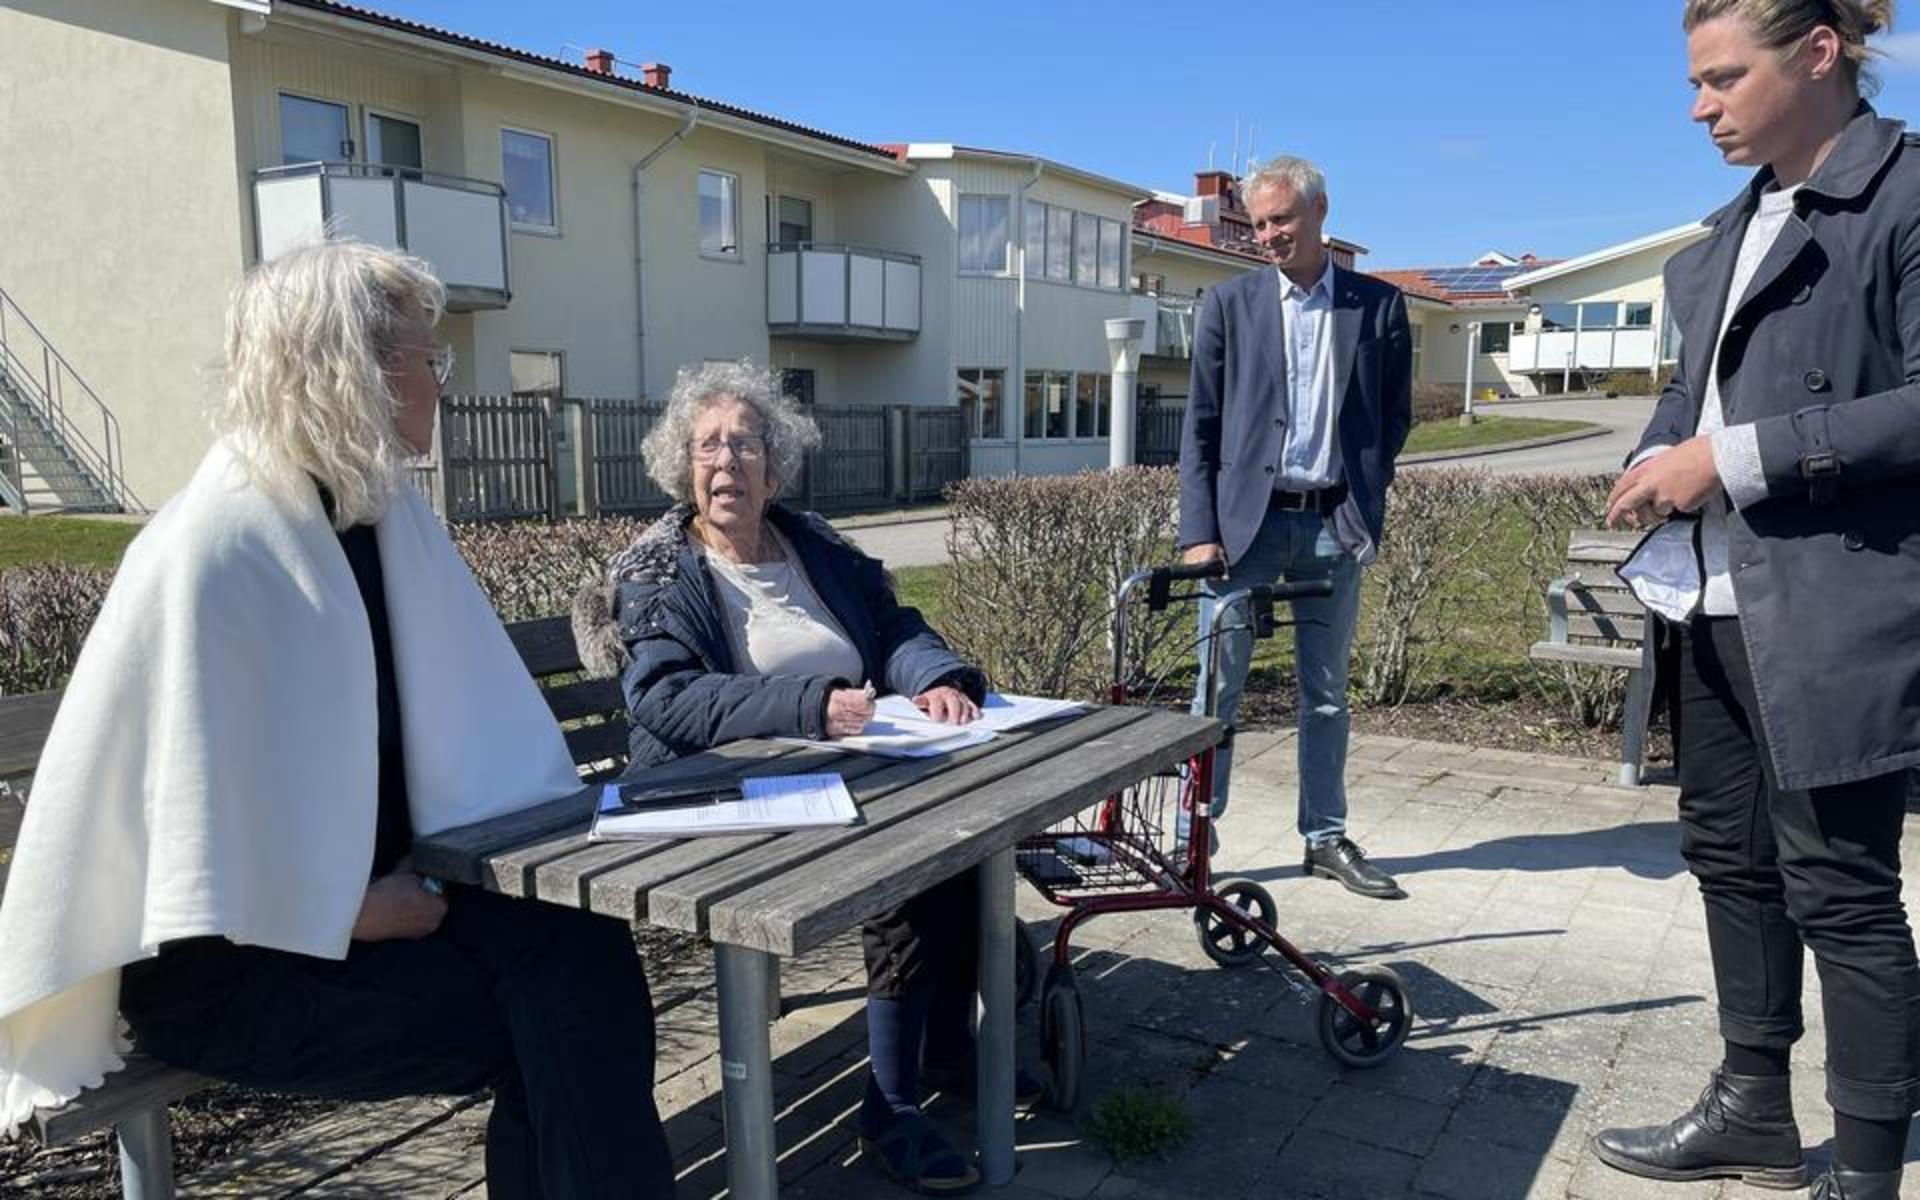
1437, 402
45, 612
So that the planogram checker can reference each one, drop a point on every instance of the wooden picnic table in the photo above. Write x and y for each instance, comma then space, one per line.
760, 897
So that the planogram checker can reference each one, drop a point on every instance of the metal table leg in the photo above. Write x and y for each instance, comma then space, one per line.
746, 1071
993, 1111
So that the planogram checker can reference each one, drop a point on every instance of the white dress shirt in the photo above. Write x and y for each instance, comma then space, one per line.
1310, 456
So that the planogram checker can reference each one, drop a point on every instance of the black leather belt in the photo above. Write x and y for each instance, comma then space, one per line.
1323, 501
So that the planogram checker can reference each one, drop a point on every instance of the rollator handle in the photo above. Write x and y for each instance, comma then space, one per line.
1161, 579
1304, 589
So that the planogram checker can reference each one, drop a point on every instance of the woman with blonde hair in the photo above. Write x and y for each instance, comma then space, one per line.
1783, 465
294, 675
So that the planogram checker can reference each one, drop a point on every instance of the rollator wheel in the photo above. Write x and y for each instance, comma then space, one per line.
1026, 965
1359, 1043
1228, 944
1063, 1036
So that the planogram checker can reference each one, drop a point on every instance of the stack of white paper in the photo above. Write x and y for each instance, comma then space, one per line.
768, 803
1001, 712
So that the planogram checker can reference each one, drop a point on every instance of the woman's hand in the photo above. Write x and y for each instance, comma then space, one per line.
398, 906
948, 705
1678, 480
848, 711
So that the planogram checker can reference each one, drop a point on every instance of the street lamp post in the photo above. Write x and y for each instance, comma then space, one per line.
1123, 346
1473, 352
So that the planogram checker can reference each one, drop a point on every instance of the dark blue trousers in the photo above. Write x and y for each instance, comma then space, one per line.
546, 1005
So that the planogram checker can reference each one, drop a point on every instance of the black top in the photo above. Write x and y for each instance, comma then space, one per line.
393, 831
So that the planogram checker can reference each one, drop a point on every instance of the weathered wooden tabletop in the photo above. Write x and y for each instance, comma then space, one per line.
923, 820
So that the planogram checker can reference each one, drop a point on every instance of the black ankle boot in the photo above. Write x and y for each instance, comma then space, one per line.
1842, 1184
1740, 1128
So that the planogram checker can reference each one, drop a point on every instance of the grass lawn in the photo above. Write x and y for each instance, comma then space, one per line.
1485, 431
74, 541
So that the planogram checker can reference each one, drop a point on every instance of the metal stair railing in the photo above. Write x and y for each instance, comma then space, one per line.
44, 386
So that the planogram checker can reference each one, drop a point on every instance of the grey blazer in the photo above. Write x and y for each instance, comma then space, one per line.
1236, 416
1823, 357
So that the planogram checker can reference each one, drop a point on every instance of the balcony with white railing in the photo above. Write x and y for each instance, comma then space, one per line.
457, 225
1616, 349
1169, 332
842, 293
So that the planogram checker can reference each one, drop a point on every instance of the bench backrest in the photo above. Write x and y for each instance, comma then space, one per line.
592, 712
1601, 611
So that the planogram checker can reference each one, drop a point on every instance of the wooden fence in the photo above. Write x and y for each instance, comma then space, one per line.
1157, 436
495, 458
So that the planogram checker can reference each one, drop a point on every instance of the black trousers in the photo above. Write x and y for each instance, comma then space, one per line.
547, 1005
929, 944
1781, 870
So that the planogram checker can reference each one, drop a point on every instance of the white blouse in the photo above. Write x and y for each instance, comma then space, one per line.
777, 624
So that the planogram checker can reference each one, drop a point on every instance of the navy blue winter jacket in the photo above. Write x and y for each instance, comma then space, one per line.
684, 691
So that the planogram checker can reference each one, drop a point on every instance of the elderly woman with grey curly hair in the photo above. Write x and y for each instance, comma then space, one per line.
733, 616
293, 676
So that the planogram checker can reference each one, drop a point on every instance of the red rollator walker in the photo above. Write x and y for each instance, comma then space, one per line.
1150, 847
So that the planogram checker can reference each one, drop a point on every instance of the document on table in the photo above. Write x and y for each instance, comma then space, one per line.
1001, 713
767, 803
899, 736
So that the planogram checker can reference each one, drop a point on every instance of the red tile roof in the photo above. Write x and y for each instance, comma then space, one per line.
355, 12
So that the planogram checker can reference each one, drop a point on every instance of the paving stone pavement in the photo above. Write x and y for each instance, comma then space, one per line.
1552, 940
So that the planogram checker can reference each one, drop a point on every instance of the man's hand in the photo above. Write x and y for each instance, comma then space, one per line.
848, 711
1679, 480
948, 705
397, 906
1201, 552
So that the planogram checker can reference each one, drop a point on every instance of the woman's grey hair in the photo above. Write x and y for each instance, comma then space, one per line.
790, 433
1780, 24
309, 337
1297, 174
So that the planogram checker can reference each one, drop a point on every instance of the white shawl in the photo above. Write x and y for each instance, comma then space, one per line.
212, 768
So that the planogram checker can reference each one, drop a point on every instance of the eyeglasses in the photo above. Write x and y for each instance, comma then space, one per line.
747, 448
440, 362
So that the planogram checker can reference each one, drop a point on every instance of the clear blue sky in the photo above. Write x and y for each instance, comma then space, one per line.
1445, 129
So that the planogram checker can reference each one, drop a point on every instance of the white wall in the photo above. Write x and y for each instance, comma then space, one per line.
122, 207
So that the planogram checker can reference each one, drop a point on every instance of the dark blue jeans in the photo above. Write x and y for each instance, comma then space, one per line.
546, 1005
1781, 870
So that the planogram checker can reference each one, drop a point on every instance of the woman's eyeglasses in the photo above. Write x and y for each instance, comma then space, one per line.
749, 448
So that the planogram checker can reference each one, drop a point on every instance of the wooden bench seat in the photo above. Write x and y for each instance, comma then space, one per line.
133, 1102
1594, 620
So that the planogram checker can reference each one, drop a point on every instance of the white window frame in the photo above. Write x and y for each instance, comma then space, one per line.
280, 129
959, 232
735, 255
773, 215
368, 112
560, 357
553, 181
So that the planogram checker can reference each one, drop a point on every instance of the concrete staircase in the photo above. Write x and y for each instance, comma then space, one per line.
59, 443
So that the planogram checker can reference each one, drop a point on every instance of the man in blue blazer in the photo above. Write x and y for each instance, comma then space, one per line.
1302, 396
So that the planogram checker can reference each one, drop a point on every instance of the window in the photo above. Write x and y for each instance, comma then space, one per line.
393, 142
1495, 337
1414, 335
1602, 315
1060, 244
1047, 410
1092, 405
797, 382
1110, 252
982, 394
1639, 315
526, 164
1086, 250
1558, 316
535, 372
1148, 285
793, 220
983, 234
1036, 264
719, 214
313, 131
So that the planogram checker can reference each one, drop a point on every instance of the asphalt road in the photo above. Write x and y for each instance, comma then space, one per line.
923, 541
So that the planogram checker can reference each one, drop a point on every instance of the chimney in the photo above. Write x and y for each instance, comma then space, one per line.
1211, 183
656, 75
600, 62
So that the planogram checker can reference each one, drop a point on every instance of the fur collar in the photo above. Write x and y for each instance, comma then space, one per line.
654, 557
